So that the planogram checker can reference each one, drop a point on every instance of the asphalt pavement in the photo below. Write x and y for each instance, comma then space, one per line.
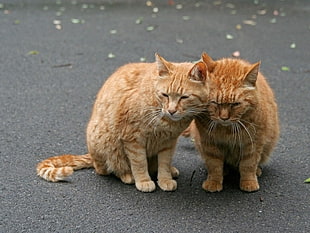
55, 55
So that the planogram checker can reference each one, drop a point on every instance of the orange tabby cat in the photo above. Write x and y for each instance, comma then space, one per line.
241, 125
137, 117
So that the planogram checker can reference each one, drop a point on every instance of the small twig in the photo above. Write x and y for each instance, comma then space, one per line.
63, 65
193, 173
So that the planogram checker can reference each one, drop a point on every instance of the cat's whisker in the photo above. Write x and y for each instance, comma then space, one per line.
235, 132
212, 125
247, 131
251, 124
151, 117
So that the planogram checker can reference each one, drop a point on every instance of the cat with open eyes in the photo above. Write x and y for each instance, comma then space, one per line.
136, 120
240, 127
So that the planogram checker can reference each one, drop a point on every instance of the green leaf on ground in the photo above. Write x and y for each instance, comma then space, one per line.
307, 180
285, 68
33, 52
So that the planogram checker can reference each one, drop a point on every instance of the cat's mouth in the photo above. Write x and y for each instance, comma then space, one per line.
224, 123
173, 117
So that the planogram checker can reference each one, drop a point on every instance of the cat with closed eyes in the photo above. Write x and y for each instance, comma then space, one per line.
137, 118
240, 127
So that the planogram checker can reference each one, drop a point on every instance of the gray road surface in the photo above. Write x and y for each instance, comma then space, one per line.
50, 72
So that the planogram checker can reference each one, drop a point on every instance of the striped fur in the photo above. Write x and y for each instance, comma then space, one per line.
241, 126
59, 167
137, 118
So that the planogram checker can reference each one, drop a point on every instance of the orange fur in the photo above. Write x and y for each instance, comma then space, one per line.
137, 117
241, 125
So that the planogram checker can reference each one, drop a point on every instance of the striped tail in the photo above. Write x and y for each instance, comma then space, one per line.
59, 167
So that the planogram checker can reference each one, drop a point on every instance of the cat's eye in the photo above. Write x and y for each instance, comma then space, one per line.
184, 97
235, 104
165, 95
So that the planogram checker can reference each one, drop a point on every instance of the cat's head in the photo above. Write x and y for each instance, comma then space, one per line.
180, 88
232, 88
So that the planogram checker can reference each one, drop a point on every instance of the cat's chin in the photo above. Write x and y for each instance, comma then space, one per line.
225, 124
172, 118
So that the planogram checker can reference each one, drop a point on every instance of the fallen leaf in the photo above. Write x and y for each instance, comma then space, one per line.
17, 21
293, 46
262, 12
236, 54
56, 22
113, 31
185, 17
84, 6
230, 5
180, 41
229, 37
33, 52
111, 55
273, 20
149, 3
249, 22
75, 21
139, 20
238, 27
285, 68
307, 180
150, 28
179, 6
142, 59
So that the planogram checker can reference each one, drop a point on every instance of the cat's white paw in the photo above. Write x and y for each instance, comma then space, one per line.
146, 186
167, 184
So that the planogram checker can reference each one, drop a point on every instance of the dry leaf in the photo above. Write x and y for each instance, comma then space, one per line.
236, 54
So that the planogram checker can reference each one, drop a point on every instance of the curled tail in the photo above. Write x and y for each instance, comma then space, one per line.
59, 167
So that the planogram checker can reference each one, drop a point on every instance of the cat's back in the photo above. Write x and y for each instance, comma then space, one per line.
130, 75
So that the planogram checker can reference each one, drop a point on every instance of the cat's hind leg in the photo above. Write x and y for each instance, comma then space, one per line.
153, 167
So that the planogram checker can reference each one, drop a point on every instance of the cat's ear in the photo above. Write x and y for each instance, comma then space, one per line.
209, 61
163, 66
251, 76
198, 72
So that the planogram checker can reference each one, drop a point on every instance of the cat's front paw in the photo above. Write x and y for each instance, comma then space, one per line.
212, 186
146, 186
174, 172
167, 184
249, 185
